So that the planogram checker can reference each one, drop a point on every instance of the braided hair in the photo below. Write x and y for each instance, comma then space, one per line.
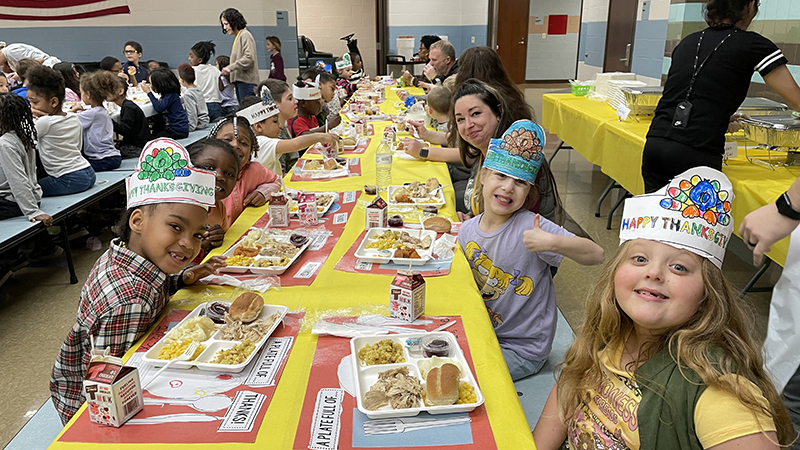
204, 50
237, 121
15, 115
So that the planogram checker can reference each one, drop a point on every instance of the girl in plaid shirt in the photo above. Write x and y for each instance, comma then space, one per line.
131, 283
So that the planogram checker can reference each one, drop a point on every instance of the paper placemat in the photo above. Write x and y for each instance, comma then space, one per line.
350, 263
305, 270
232, 408
342, 426
353, 165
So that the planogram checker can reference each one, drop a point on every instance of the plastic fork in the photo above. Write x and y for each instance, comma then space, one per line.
392, 426
185, 356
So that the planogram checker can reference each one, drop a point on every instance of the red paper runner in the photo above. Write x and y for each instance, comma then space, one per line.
329, 353
84, 430
349, 261
311, 260
353, 163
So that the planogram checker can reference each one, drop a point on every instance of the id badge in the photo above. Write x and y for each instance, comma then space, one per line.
682, 112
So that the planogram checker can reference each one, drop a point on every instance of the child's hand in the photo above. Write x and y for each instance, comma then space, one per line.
145, 87
76, 107
331, 139
214, 236
255, 198
536, 239
36, 113
419, 127
131, 70
463, 217
334, 121
44, 218
209, 267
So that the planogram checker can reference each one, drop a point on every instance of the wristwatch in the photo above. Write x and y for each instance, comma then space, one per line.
423, 153
785, 207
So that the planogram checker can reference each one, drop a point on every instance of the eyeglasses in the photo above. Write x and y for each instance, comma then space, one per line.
130, 52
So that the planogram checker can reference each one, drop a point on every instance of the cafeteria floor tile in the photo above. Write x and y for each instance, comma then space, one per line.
38, 305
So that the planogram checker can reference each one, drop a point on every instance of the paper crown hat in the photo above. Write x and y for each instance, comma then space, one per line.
309, 91
519, 152
344, 63
260, 111
164, 174
692, 212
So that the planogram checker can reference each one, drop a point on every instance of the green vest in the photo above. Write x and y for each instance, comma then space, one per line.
666, 412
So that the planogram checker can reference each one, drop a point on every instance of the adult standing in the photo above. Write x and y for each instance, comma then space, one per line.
243, 68
442, 63
708, 80
11, 54
759, 230
275, 59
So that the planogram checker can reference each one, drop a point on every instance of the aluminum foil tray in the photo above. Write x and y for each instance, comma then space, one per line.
760, 106
773, 131
642, 101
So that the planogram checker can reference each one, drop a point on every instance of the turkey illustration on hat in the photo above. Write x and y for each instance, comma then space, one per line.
260, 111
306, 90
344, 63
519, 152
164, 174
692, 212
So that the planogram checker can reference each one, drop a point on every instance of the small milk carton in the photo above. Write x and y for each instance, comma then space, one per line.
279, 210
377, 216
307, 208
407, 295
113, 391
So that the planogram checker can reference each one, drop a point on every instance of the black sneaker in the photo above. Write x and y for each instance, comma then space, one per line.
19, 263
42, 258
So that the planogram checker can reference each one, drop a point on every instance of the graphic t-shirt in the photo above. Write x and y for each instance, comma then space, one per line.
515, 283
610, 420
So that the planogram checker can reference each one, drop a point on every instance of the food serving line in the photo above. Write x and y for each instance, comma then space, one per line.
593, 129
295, 394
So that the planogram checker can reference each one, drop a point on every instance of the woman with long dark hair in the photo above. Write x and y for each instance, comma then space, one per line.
708, 80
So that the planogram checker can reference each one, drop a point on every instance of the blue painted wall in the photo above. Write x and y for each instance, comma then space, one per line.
168, 44
459, 35
592, 43
648, 47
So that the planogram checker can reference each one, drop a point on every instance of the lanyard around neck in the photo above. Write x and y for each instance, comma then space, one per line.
695, 69
240, 32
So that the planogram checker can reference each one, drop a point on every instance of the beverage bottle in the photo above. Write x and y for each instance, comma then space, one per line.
383, 165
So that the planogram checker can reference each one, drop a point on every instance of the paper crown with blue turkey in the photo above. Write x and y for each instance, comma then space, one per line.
692, 212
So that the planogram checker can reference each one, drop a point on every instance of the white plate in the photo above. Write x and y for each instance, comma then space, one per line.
274, 270
438, 200
365, 376
321, 209
216, 343
374, 255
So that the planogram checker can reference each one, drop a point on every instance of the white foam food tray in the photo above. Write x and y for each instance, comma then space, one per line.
375, 255
215, 344
436, 200
273, 270
359, 141
341, 170
321, 209
365, 376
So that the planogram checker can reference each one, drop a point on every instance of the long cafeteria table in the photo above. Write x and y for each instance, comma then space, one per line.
455, 294
593, 129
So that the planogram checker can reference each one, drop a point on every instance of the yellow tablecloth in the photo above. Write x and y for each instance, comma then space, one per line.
593, 130
454, 294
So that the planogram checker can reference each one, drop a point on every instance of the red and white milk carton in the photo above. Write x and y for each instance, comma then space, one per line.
113, 391
377, 216
307, 208
407, 295
279, 210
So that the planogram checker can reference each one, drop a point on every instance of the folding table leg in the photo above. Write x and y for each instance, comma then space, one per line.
761, 270
603, 196
561, 145
73, 278
622, 198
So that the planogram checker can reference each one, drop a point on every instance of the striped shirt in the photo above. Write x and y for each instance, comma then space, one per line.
123, 296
